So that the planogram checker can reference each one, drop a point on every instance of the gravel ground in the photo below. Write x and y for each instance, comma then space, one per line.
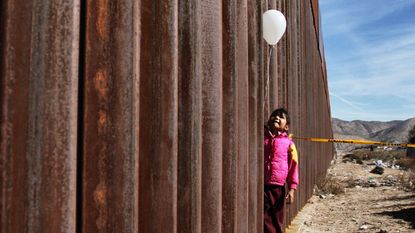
370, 203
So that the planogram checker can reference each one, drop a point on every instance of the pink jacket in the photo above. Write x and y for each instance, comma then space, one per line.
281, 160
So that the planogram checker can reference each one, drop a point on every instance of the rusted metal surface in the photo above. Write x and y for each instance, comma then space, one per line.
172, 102
256, 69
14, 98
230, 119
235, 111
212, 125
298, 83
110, 129
39, 95
158, 118
189, 120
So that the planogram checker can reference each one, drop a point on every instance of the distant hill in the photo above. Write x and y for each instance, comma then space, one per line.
390, 131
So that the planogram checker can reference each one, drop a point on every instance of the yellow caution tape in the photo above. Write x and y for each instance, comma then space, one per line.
355, 142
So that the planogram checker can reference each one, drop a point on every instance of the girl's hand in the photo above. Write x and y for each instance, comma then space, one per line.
290, 196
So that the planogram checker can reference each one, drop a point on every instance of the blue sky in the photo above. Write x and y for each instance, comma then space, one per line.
370, 56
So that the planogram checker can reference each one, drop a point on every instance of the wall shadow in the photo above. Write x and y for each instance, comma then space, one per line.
407, 215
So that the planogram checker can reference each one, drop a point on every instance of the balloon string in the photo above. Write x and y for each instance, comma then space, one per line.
266, 100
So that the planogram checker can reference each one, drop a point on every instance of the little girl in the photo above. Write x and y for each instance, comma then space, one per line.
281, 166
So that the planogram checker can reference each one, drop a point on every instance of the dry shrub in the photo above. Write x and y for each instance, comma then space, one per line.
406, 162
407, 180
352, 158
350, 182
361, 155
389, 155
330, 184
385, 156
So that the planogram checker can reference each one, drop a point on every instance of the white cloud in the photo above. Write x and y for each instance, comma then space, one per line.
349, 103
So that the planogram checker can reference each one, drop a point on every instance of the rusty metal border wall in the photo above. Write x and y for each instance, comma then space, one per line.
147, 116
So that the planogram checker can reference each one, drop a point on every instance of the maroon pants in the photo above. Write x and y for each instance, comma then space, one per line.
274, 200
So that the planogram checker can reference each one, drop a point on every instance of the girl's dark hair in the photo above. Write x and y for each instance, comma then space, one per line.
281, 112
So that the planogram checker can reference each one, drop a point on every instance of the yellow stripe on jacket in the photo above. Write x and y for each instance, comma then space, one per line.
294, 154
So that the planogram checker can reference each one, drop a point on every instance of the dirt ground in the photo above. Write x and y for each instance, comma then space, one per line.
370, 203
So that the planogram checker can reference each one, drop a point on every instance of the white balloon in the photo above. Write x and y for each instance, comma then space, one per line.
273, 26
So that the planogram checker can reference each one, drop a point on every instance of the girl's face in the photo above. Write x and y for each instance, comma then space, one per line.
278, 123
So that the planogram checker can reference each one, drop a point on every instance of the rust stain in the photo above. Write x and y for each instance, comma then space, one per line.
103, 19
102, 121
100, 194
100, 198
101, 84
